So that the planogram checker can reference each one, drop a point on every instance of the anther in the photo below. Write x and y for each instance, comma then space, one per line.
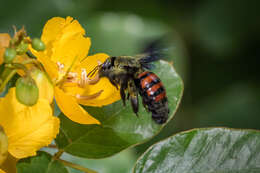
72, 77
60, 66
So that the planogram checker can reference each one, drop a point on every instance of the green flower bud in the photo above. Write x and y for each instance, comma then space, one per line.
22, 48
9, 55
3, 145
27, 91
38, 45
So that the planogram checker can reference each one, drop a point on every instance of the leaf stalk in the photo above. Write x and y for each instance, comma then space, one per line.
76, 166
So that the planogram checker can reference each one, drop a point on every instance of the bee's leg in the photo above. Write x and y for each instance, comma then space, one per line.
144, 101
111, 79
122, 91
133, 96
113, 83
134, 103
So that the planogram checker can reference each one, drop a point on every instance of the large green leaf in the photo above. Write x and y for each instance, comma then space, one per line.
120, 127
42, 163
212, 150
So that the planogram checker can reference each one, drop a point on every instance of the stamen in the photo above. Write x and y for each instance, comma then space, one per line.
89, 97
60, 66
83, 78
83, 81
72, 77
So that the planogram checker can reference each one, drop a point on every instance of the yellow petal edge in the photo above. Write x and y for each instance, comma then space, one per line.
69, 106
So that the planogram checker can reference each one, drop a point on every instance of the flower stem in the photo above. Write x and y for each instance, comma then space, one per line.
52, 146
76, 166
33, 61
10, 75
58, 154
19, 66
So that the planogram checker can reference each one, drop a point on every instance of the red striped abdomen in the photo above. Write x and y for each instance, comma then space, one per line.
152, 86
154, 95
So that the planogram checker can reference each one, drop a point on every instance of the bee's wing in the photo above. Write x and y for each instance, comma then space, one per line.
153, 51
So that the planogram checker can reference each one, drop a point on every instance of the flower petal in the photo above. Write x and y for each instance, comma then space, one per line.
50, 66
57, 26
4, 42
52, 29
46, 89
109, 95
64, 40
69, 106
28, 128
65, 43
67, 49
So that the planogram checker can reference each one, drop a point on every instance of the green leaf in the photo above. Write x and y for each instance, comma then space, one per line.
211, 150
42, 163
120, 128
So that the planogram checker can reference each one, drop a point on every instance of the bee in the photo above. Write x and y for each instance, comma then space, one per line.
131, 74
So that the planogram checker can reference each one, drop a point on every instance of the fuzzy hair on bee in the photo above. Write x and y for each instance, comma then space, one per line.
131, 74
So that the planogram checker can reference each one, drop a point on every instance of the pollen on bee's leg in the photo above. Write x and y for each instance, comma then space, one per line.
89, 97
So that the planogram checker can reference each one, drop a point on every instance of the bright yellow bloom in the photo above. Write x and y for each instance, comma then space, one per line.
65, 60
28, 128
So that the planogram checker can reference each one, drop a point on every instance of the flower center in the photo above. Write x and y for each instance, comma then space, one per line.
81, 80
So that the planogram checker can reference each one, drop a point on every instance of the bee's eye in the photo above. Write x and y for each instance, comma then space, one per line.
106, 65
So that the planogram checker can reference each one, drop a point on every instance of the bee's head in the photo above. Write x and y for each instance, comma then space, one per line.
104, 67
108, 64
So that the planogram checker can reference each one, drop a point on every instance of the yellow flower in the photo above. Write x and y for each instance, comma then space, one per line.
65, 60
27, 128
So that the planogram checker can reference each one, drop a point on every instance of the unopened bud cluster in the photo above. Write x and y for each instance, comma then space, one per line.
19, 45
27, 91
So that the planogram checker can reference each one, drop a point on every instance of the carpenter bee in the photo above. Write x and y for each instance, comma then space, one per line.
131, 74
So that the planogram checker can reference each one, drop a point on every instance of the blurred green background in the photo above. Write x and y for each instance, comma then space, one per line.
214, 46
